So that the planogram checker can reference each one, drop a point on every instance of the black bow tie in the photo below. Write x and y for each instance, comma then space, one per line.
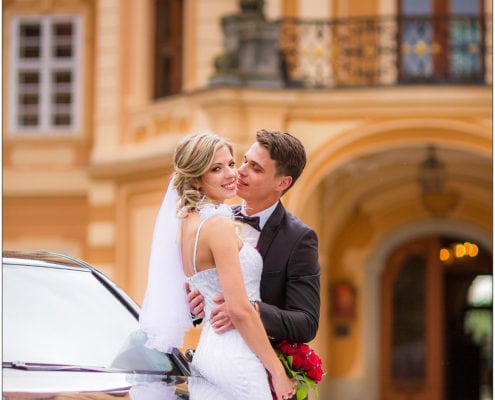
253, 221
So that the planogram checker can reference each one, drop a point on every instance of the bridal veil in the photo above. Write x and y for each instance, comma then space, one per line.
165, 316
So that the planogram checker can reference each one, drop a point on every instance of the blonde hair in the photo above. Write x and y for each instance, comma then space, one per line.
193, 157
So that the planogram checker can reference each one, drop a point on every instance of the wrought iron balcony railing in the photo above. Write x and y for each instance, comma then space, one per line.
453, 49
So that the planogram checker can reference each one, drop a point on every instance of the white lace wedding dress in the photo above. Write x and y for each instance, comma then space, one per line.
227, 367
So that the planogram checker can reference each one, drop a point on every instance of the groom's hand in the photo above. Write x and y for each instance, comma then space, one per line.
219, 319
196, 302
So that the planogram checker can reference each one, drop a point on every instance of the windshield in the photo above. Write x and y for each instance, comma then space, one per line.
66, 316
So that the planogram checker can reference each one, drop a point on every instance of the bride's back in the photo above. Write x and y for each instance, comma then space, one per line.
203, 256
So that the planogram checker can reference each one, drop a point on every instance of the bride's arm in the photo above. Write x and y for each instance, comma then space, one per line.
220, 237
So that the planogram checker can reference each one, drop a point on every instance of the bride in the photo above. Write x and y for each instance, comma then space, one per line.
197, 240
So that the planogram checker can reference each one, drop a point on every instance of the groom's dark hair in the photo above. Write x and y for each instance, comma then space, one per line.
286, 150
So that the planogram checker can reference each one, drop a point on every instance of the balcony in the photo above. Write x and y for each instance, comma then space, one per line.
357, 52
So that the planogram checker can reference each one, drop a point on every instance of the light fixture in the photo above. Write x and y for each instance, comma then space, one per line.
431, 178
431, 172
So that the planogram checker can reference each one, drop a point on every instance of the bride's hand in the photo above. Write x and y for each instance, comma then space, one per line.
284, 387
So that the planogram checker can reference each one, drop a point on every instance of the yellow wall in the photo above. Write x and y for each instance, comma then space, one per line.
96, 195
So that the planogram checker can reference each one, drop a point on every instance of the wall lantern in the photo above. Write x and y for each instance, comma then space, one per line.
431, 172
431, 178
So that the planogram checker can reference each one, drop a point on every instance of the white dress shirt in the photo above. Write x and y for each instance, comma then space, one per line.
251, 235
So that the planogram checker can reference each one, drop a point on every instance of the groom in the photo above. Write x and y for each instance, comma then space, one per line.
290, 282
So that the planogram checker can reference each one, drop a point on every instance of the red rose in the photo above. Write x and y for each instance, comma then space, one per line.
315, 374
311, 361
285, 347
304, 362
297, 361
292, 350
304, 349
306, 365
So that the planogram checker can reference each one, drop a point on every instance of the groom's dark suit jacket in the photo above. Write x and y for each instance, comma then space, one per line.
290, 282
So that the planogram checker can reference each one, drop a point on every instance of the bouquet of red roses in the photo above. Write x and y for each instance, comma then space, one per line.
302, 364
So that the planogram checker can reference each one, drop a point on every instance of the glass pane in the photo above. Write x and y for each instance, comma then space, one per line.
62, 39
62, 98
63, 29
408, 324
28, 120
60, 77
61, 120
416, 7
466, 49
29, 41
29, 99
469, 7
29, 80
416, 49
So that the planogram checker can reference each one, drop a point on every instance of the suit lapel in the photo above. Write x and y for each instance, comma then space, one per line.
270, 229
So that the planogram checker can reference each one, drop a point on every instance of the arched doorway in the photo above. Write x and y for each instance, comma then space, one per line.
436, 321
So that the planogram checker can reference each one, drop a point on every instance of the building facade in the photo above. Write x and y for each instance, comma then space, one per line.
392, 100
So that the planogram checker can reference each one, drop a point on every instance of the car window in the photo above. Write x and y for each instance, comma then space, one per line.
66, 316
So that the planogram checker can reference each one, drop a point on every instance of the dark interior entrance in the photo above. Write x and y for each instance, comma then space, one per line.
468, 322
436, 332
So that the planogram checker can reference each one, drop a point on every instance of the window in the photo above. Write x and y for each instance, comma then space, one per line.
168, 47
441, 40
45, 69
409, 325
61, 315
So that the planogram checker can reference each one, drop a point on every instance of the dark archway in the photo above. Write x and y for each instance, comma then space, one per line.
468, 323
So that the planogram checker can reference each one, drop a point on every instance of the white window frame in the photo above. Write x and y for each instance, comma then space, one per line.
45, 65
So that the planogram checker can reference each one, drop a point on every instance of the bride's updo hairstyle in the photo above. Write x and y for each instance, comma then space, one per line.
193, 157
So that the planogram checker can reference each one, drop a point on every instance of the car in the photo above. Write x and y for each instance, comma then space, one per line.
69, 332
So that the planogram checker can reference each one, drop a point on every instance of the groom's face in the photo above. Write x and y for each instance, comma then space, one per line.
257, 181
